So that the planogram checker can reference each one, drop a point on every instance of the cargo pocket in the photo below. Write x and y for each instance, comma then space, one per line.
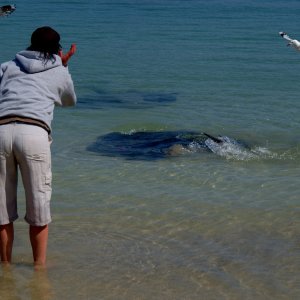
48, 186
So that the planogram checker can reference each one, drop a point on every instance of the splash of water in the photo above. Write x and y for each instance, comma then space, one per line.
233, 149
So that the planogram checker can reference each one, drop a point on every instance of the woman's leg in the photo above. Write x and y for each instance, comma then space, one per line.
6, 242
8, 192
33, 153
39, 239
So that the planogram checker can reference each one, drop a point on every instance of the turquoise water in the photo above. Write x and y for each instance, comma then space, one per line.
194, 225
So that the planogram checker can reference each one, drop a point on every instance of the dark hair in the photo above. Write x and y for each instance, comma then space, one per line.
45, 40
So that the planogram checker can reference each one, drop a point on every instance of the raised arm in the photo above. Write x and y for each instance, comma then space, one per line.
65, 57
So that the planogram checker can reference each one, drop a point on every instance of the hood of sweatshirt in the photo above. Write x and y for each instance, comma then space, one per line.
33, 62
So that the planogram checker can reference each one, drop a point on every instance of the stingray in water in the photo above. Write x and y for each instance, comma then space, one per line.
153, 145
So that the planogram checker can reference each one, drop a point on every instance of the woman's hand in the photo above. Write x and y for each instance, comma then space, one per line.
65, 57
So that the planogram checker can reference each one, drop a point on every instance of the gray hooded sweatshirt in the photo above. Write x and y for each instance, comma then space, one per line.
31, 87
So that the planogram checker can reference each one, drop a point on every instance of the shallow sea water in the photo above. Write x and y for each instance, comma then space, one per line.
196, 225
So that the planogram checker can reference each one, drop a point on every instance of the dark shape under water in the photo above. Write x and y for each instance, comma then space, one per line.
149, 145
128, 100
160, 97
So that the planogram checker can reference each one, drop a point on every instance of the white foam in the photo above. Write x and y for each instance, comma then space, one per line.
232, 149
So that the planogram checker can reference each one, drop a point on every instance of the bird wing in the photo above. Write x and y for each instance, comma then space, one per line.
7, 10
285, 36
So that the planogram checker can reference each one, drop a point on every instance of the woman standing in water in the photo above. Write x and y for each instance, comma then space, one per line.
30, 87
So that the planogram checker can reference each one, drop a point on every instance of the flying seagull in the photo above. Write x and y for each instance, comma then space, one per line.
294, 43
7, 10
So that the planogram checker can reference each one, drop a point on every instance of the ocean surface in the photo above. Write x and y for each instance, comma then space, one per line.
145, 206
